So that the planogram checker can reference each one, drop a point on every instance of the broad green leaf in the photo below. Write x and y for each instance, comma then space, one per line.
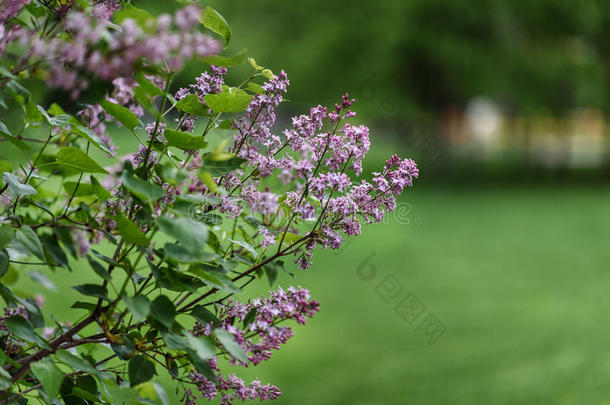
202, 346
92, 137
173, 341
208, 180
192, 105
42, 280
99, 269
82, 190
220, 168
163, 310
121, 114
204, 315
6, 235
140, 370
49, 376
161, 394
212, 20
147, 86
16, 187
28, 239
4, 263
229, 343
214, 279
171, 174
98, 189
74, 362
138, 306
255, 88
77, 159
184, 141
93, 290
129, 230
192, 235
4, 131
246, 246
23, 329
202, 366
231, 100
62, 120
145, 191
83, 305
141, 17
227, 61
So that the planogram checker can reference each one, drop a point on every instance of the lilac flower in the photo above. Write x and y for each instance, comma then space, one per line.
268, 238
81, 240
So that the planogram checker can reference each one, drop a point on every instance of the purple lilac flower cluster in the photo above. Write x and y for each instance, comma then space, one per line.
263, 335
314, 158
10, 8
229, 388
108, 51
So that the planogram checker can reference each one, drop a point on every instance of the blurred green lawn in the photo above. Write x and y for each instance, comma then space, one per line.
518, 276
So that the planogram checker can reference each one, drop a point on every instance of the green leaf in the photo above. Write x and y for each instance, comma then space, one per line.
212, 20
4, 131
220, 168
7, 233
227, 61
214, 279
208, 180
49, 376
191, 234
92, 137
255, 88
163, 310
140, 370
93, 290
98, 189
145, 191
229, 343
147, 86
204, 315
246, 246
129, 230
4, 263
184, 141
83, 305
202, 346
99, 269
83, 189
42, 280
141, 17
77, 159
16, 187
23, 329
75, 363
192, 105
173, 341
202, 366
138, 306
121, 114
231, 100
62, 120
28, 239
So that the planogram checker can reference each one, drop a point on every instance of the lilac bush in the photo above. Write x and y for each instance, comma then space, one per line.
206, 197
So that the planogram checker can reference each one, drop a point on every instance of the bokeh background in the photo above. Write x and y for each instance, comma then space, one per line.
490, 283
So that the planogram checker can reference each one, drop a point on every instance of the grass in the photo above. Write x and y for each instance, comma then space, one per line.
518, 276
